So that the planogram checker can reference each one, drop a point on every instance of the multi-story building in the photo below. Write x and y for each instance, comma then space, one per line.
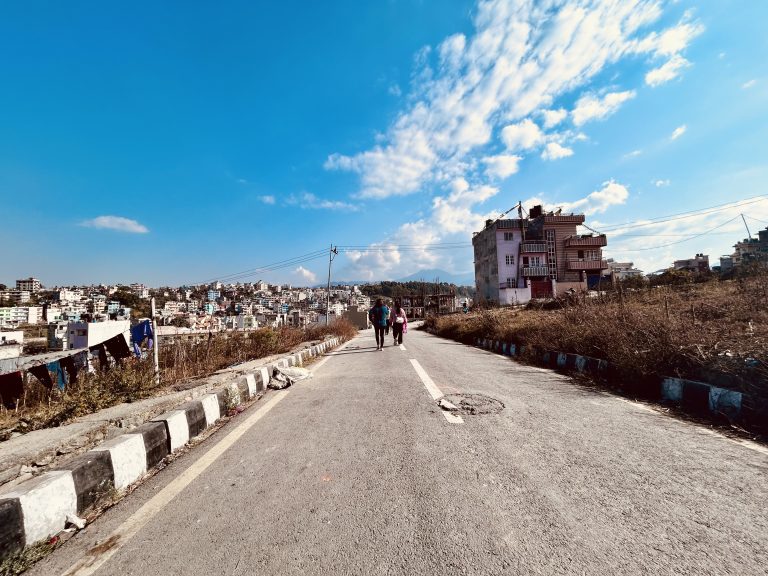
16, 296
622, 270
29, 285
18, 315
699, 263
140, 290
213, 295
539, 256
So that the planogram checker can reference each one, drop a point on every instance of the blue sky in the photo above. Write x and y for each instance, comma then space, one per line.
173, 143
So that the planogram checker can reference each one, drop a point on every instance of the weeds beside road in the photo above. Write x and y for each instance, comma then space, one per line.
181, 360
714, 332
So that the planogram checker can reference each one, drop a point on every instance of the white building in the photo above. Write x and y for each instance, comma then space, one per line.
18, 315
622, 270
87, 334
140, 290
28, 285
16, 296
11, 344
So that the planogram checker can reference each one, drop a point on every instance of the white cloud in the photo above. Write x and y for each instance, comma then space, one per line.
116, 223
308, 200
502, 166
591, 107
522, 136
633, 154
521, 57
554, 117
611, 194
555, 151
749, 84
395, 90
677, 132
267, 199
306, 275
501, 85
660, 183
667, 71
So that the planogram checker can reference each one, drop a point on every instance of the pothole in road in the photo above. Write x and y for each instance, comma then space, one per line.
471, 404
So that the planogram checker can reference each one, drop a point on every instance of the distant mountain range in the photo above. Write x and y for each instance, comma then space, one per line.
465, 279
460, 279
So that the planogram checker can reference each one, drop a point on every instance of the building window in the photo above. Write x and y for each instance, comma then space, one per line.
509, 236
551, 253
510, 260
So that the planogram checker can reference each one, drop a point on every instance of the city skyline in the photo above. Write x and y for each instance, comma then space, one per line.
205, 141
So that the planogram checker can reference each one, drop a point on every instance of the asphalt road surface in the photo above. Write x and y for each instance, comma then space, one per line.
358, 471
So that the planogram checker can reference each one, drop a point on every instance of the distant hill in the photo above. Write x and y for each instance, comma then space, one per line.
465, 279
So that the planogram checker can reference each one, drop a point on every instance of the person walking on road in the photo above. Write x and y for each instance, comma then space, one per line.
399, 322
379, 316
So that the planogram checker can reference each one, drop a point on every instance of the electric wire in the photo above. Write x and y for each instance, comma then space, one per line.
681, 241
683, 215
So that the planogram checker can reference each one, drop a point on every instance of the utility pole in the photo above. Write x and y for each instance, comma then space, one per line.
333, 252
156, 343
749, 234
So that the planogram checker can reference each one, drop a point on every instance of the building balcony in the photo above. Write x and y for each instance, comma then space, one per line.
588, 241
584, 264
533, 248
529, 271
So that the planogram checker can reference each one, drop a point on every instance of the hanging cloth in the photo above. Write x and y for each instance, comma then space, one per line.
68, 364
101, 352
11, 389
41, 373
81, 360
118, 347
59, 377
140, 332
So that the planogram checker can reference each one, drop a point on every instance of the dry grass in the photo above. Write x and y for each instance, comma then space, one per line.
133, 380
714, 331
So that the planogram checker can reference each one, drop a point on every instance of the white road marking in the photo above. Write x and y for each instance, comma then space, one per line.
97, 556
434, 391
402, 347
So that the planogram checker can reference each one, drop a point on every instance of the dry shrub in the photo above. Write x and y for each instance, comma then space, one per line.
715, 331
43, 408
181, 359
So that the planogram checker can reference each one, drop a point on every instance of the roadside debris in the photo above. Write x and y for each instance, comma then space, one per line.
446, 405
76, 521
284, 377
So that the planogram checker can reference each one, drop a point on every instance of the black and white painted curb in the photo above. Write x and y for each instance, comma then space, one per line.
38, 508
695, 396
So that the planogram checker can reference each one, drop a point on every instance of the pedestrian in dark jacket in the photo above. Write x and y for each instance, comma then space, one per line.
379, 316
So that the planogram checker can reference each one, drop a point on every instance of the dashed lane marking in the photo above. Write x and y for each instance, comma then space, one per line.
402, 347
434, 391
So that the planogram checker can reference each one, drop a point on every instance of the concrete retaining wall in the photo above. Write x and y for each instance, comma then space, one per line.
698, 397
37, 509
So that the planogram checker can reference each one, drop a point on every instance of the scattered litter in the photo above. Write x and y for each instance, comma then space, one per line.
76, 521
446, 405
284, 377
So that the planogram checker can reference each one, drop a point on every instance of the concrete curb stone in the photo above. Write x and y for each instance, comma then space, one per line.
697, 397
37, 508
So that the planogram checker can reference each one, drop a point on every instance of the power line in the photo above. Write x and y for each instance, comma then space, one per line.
684, 215
267, 268
680, 241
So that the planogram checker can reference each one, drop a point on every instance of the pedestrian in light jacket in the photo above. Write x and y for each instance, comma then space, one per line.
399, 322
379, 316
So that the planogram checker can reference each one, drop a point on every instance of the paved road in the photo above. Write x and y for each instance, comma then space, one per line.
357, 471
